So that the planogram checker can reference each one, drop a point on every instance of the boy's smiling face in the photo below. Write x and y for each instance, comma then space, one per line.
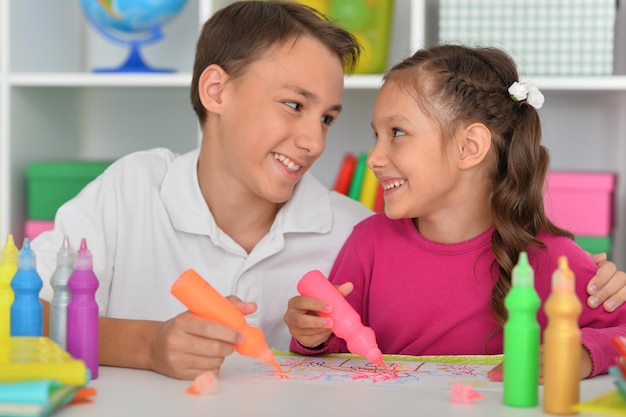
272, 122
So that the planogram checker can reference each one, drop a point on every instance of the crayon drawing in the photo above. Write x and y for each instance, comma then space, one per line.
413, 372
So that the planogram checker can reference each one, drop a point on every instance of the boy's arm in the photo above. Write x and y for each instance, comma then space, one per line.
182, 347
608, 286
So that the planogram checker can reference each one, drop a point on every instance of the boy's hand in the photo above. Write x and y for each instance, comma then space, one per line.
187, 345
608, 285
305, 325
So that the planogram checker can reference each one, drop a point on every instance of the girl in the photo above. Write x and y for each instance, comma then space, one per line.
459, 155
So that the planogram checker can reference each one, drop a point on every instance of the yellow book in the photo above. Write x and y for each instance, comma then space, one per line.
369, 189
27, 358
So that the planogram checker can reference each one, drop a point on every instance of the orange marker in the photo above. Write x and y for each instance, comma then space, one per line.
203, 300
562, 344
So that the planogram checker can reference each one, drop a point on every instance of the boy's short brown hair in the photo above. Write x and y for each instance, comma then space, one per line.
239, 34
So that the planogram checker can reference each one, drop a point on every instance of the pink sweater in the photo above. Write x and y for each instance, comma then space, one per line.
428, 298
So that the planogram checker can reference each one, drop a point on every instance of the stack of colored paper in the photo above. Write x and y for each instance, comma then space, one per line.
358, 182
619, 370
37, 376
612, 403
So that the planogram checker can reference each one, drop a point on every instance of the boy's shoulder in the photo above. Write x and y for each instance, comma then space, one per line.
155, 156
347, 207
312, 198
148, 164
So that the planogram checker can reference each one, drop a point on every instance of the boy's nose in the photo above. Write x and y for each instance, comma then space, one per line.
312, 141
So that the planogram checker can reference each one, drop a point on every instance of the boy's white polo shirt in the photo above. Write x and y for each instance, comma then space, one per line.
145, 222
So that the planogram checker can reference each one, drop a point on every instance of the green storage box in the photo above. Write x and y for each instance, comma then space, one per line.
595, 244
50, 184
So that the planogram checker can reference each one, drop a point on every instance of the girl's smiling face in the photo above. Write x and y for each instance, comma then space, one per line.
409, 158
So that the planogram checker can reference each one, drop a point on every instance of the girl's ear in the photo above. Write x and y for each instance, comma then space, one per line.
474, 145
211, 87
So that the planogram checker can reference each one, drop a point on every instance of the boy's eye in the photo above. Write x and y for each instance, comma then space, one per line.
397, 132
293, 105
328, 120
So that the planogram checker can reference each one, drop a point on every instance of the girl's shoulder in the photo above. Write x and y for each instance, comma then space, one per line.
557, 246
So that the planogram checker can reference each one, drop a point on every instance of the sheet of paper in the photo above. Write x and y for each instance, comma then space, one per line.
430, 372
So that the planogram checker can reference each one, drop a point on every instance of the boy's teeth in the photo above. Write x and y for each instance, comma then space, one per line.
394, 184
287, 162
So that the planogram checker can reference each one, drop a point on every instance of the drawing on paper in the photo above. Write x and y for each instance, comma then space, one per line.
402, 372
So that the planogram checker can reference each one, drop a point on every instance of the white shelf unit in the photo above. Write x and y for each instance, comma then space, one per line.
52, 106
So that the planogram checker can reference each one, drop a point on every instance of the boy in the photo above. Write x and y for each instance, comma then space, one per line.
241, 210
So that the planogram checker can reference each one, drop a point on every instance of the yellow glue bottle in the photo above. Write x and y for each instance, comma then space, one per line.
8, 267
562, 343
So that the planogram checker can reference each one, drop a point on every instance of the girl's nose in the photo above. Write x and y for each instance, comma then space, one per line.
376, 159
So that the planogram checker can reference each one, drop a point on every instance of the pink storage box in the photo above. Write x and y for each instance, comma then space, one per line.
581, 202
33, 227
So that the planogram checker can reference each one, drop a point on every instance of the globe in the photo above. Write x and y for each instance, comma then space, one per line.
131, 22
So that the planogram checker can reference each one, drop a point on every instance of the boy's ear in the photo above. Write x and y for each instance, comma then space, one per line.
211, 87
474, 145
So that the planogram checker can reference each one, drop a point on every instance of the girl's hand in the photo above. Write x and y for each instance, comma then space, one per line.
304, 322
608, 285
586, 366
187, 345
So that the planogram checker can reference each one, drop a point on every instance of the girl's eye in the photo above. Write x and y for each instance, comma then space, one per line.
293, 105
328, 120
397, 132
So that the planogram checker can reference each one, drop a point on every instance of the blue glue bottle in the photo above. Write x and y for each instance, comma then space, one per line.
61, 293
521, 338
26, 310
82, 311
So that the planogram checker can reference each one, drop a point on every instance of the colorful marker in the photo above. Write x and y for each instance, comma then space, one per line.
347, 324
82, 311
562, 343
205, 301
26, 310
8, 267
61, 293
521, 338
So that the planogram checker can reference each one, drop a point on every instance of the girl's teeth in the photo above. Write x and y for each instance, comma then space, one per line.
392, 185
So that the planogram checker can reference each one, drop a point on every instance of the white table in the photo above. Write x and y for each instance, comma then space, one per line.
136, 393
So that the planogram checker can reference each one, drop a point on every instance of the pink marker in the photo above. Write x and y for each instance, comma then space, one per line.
346, 321
82, 311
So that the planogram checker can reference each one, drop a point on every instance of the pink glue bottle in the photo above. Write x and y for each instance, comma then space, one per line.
82, 311
347, 324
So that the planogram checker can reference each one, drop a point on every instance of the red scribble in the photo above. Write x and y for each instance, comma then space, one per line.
375, 373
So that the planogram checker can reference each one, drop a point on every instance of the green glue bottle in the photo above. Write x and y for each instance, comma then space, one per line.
521, 338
